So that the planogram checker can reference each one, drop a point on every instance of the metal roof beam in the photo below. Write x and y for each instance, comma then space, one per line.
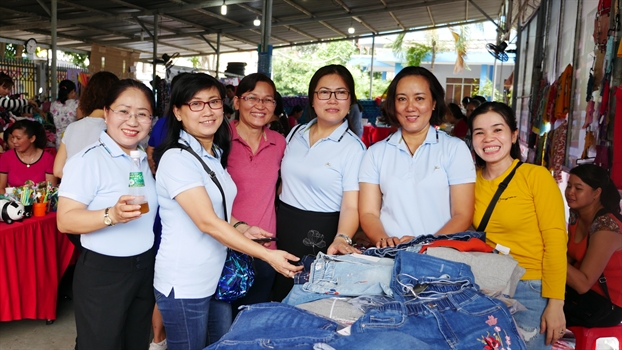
45, 7
486, 15
399, 24
299, 8
326, 16
301, 32
360, 20
333, 29
161, 10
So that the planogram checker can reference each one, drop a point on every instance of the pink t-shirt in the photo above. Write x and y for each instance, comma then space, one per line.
256, 175
18, 172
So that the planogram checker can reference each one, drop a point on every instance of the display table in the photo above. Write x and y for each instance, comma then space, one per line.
373, 134
33, 257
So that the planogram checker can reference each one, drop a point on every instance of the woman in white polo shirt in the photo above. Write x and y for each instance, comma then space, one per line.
113, 281
319, 198
195, 234
419, 180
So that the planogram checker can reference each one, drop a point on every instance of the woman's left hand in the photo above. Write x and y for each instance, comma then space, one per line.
255, 232
553, 321
340, 246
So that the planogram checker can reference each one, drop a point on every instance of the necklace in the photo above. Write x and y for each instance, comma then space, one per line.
28, 163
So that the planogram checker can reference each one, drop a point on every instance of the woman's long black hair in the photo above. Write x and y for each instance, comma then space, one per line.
183, 91
597, 177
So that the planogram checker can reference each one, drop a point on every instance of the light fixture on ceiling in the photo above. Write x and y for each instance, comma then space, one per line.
223, 8
351, 29
257, 22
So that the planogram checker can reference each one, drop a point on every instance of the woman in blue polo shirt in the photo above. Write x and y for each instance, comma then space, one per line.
418, 180
319, 198
113, 281
195, 235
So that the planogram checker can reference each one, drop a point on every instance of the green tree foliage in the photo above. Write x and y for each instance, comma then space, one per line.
10, 51
410, 52
78, 59
293, 68
486, 91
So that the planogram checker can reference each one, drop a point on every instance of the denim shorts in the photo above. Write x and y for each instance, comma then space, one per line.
529, 293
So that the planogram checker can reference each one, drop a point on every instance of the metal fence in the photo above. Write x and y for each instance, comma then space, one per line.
29, 76
24, 74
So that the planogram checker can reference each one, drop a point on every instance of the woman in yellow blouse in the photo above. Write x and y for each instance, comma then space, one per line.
528, 220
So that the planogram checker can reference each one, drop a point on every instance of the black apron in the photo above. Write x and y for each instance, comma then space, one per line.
301, 233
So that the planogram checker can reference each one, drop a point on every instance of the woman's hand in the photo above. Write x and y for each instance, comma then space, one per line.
388, 242
553, 321
278, 259
340, 246
255, 232
123, 212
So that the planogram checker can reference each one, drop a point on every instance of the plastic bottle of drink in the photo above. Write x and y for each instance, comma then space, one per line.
137, 183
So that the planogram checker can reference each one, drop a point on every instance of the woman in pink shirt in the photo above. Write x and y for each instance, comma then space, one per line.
254, 163
27, 161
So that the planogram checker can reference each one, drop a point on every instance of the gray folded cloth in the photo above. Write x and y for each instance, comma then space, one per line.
493, 272
337, 309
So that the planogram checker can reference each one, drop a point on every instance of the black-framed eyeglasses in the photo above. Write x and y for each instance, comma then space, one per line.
253, 100
197, 106
327, 94
125, 115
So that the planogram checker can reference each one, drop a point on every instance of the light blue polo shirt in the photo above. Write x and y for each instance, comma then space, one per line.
189, 260
415, 190
314, 178
97, 176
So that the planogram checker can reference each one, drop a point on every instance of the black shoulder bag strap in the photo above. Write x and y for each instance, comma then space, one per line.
294, 132
502, 186
211, 174
601, 280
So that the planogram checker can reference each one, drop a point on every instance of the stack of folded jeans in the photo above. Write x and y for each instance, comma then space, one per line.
436, 305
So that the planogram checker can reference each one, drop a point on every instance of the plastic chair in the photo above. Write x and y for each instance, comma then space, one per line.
587, 337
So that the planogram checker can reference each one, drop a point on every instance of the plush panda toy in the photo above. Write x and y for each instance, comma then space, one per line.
11, 211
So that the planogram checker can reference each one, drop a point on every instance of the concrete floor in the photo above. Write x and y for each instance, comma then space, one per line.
36, 335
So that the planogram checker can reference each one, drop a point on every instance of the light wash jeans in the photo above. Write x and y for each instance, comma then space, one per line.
529, 293
193, 324
343, 275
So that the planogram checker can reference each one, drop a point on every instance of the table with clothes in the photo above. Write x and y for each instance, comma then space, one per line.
434, 292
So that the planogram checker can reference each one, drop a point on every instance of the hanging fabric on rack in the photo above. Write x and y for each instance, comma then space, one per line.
616, 164
558, 150
588, 141
562, 103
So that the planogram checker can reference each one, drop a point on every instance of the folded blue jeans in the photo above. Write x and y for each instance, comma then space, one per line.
344, 275
413, 270
279, 326
465, 319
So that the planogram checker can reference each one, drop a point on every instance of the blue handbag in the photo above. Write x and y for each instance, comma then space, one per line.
238, 274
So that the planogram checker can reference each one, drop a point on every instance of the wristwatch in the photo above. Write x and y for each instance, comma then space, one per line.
348, 239
107, 219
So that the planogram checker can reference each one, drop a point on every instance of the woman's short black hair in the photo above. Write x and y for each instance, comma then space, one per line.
122, 85
508, 116
249, 82
32, 128
597, 177
183, 91
436, 89
344, 74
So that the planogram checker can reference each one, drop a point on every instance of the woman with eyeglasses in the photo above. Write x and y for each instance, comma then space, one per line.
318, 210
419, 180
113, 280
254, 164
195, 230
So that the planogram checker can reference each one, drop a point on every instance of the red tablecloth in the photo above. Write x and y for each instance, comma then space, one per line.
372, 134
33, 257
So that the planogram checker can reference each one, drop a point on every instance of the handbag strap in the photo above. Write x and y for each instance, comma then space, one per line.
294, 132
601, 280
493, 202
211, 174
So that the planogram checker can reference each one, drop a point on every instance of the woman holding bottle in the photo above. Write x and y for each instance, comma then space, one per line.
113, 281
